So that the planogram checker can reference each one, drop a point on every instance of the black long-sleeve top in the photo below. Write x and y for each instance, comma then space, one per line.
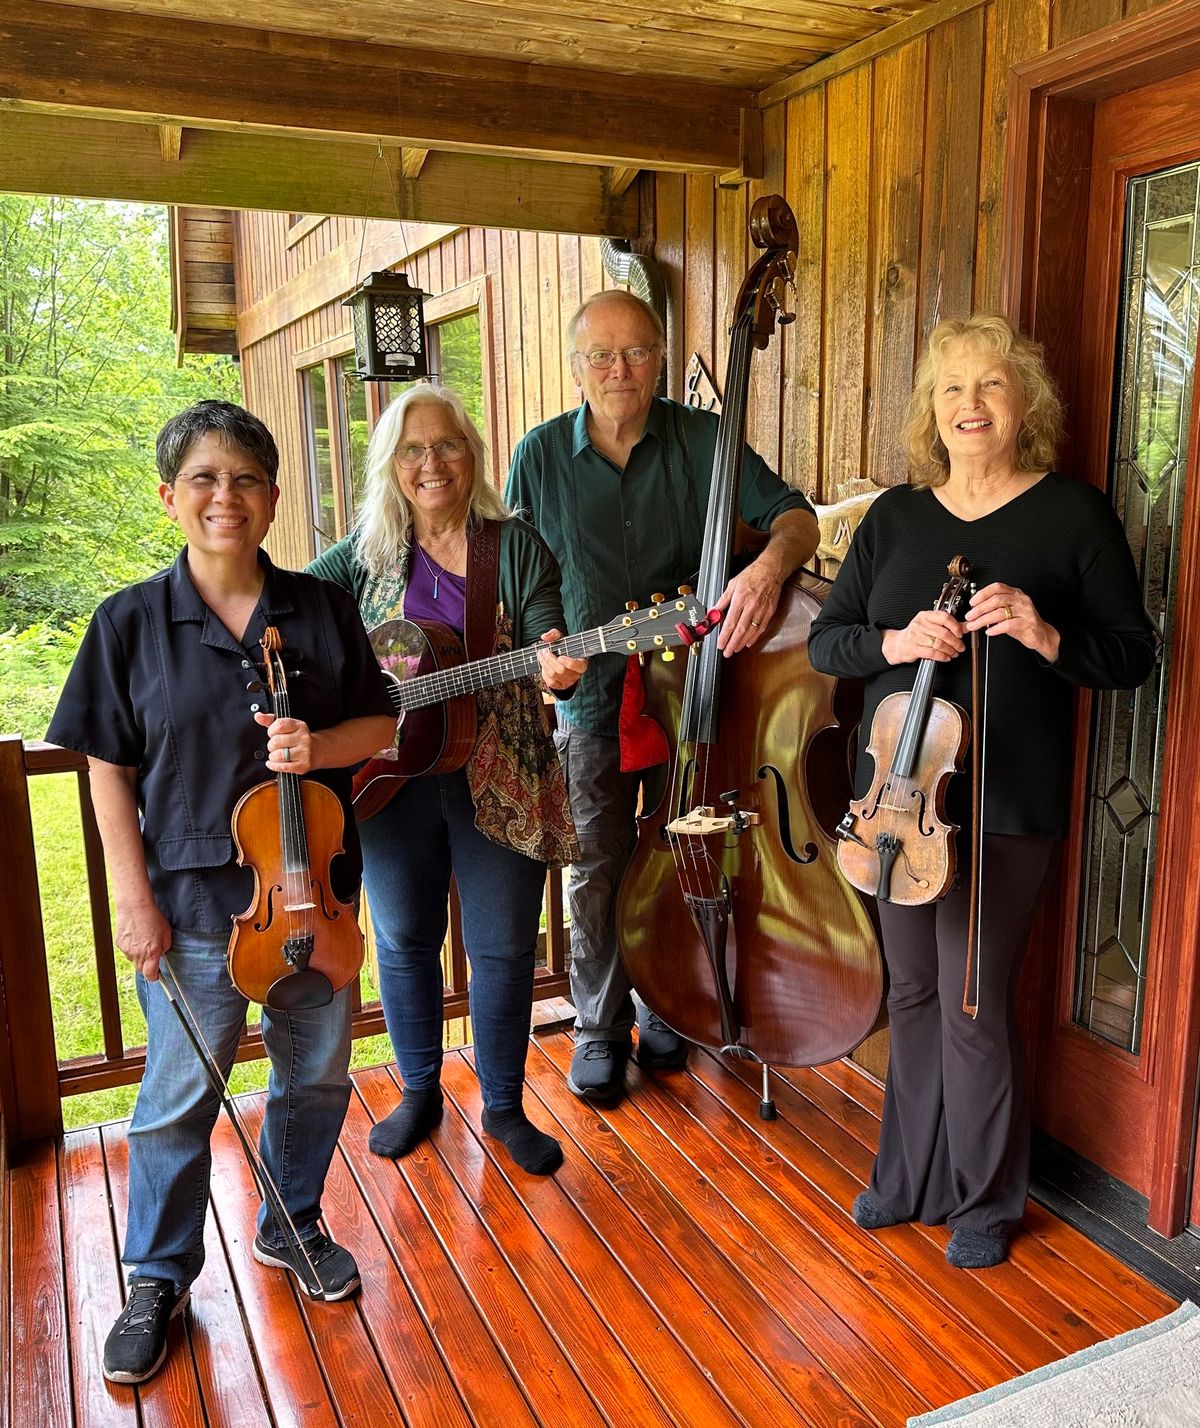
1061, 544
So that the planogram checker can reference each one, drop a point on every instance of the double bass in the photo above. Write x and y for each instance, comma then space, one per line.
735, 924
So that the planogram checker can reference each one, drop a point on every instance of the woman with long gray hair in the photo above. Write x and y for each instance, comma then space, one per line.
428, 512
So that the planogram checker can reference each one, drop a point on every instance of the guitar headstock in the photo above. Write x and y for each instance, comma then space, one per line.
663, 625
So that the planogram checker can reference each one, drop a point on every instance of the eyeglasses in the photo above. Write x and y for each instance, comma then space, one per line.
602, 359
245, 482
450, 448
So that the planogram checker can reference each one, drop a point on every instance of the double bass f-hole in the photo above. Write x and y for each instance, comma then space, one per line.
896, 843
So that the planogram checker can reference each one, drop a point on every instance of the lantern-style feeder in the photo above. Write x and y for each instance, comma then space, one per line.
389, 333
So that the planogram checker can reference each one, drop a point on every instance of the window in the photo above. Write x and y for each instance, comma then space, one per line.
456, 358
320, 458
353, 433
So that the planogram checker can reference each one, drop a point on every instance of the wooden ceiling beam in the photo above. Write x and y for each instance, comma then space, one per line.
170, 142
96, 158
66, 59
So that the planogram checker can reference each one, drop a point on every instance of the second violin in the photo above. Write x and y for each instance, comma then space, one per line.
896, 843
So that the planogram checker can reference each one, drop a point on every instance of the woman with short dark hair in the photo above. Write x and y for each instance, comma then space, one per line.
165, 699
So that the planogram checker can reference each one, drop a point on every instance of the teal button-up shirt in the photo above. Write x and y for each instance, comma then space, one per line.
624, 535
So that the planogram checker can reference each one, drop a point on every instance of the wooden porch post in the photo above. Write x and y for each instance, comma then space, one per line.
31, 1104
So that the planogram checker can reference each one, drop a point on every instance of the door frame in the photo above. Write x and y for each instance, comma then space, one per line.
1051, 105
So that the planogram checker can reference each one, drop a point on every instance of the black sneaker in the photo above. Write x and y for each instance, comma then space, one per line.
598, 1070
336, 1272
659, 1048
137, 1343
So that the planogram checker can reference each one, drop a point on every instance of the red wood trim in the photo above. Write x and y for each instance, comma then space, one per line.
102, 938
1175, 930
26, 1019
1142, 50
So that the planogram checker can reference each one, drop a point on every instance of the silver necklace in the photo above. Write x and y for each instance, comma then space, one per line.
437, 574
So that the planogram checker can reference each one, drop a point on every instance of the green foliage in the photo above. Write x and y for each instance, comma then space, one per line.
33, 666
87, 378
461, 362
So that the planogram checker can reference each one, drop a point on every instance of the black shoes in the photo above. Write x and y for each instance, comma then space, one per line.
659, 1048
598, 1070
137, 1343
336, 1272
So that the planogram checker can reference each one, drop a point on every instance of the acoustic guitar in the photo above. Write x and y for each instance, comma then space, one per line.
432, 684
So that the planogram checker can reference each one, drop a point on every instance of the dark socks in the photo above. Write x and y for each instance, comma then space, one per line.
968, 1249
533, 1150
870, 1215
408, 1124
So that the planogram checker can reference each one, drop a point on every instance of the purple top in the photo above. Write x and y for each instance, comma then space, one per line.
434, 593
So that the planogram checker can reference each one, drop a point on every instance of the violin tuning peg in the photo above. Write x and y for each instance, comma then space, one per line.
254, 686
631, 604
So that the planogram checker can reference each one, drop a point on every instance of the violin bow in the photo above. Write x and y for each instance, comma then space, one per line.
267, 1188
978, 776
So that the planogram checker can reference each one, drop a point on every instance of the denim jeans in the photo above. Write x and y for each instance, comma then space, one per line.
169, 1155
410, 849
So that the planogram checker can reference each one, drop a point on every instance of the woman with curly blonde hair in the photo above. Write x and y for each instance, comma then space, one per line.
1059, 602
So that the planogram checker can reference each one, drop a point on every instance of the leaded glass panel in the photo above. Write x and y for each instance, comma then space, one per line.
1153, 396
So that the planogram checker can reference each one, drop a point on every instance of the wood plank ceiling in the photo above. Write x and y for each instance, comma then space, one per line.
515, 113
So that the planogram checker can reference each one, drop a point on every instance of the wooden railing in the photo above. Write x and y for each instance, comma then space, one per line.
32, 1080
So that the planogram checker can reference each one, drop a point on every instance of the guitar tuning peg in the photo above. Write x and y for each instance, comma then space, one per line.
641, 659
686, 590
657, 599
631, 604
668, 656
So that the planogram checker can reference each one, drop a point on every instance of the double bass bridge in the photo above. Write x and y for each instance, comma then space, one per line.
705, 822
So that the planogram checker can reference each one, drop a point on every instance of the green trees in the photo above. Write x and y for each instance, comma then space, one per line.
87, 377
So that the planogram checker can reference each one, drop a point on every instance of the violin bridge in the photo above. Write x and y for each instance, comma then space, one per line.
701, 822
300, 907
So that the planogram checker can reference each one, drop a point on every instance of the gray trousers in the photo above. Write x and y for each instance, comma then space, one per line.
604, 807
954, 1143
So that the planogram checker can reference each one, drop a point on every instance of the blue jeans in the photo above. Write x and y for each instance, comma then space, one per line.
410, 849
169, 1155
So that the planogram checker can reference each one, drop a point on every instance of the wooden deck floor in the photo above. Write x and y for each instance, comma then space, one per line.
689, 1264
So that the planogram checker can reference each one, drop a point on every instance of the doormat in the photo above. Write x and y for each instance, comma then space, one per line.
1147, 1378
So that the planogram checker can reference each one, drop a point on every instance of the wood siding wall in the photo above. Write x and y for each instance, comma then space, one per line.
532, 283
894, 168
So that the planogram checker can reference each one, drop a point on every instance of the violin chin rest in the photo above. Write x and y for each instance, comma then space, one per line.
297, 991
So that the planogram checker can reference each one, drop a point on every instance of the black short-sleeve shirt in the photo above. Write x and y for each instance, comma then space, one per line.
160, 685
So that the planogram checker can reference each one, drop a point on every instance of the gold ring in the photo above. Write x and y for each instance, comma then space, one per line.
930, 641
1008, 614
755, 624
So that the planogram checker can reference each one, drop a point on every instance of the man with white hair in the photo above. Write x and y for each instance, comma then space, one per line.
618, 488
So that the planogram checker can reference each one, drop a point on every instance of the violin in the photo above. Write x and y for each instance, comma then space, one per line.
297, 943
734, 923
896, 843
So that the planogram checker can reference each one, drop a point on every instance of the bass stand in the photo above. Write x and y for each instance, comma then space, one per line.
267, 1189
